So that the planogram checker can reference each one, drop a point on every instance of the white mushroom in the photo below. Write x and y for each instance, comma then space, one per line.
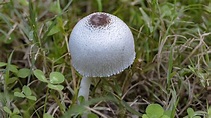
101, 45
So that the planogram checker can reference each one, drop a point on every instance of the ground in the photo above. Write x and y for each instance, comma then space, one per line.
172, 66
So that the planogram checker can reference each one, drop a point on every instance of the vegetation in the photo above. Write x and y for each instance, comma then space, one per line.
171, 74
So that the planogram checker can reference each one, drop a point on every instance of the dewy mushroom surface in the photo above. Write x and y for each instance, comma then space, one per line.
101, 45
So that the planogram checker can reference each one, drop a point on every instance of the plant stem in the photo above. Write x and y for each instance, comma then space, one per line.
46, 99
84, 88
84, 91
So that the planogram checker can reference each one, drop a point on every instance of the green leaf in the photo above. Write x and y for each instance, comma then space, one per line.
13, 68
24, 2
54, 30
99, 3
165, 116
23, 73
147, 19
92, 115
31, 98
2, 64
209, 112
16, 116
75, 110
154, 111
27, 90
16, 111
81, 99
10, 38
18, 94
166, 10
6, 109
12, 80
7, 74
190, 112
168, 113
145, 116
46, 115
31, 35
40, 75
55, 87
56, 78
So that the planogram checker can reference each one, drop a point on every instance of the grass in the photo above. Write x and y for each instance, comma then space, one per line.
172, 66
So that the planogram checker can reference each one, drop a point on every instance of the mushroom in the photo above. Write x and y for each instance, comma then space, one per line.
100, 45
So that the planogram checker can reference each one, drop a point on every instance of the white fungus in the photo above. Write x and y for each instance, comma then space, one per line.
101, 45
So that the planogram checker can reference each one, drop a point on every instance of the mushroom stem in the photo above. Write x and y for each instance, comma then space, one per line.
84, 88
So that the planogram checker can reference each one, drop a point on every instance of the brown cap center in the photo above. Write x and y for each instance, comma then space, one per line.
99, 20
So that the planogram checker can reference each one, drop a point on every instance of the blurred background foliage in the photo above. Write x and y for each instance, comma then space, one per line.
172, 65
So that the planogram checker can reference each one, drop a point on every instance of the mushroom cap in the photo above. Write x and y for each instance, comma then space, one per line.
101, 45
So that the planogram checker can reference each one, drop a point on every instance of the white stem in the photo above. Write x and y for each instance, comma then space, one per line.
84, 87
84, 90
